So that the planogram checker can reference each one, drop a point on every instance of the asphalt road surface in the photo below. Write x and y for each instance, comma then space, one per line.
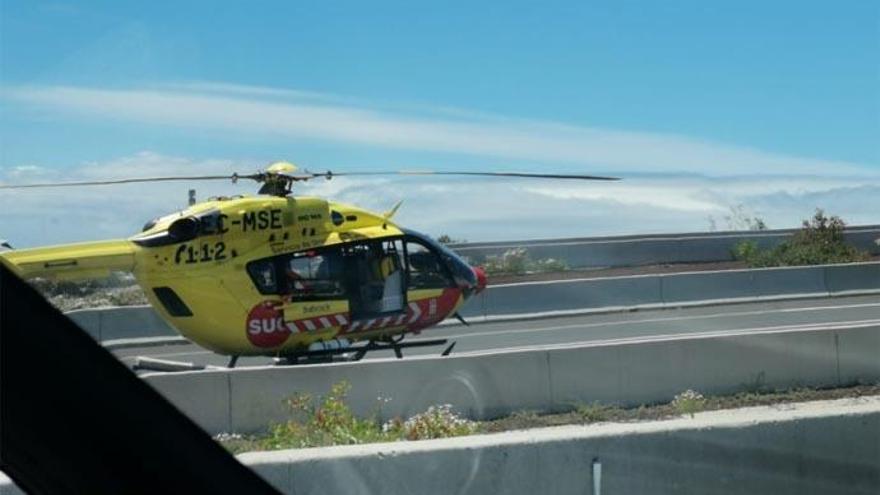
746, 318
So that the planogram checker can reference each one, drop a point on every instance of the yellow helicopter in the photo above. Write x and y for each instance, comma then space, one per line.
275, 274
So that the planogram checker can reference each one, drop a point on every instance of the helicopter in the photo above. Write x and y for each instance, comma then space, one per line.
277, 274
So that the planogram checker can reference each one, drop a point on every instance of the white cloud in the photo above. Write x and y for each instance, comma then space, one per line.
710, 177
289, 113
475, 209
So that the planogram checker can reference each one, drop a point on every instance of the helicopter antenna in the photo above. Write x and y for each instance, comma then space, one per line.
390, 213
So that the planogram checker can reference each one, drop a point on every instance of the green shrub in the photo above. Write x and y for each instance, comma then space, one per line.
739, 218
332, 422
517, 261
819, 241
436, 422
689, 402
550, 265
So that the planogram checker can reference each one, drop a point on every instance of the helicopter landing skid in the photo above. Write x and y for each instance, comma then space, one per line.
349, 354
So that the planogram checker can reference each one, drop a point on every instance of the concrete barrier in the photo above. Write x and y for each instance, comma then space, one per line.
533, 297
655, 371
852, 277
204, 396
793, 280
698, 286
752, 283
820, 447
490, 384
610, 293
674, 289
858, 354
633, 250
115, 323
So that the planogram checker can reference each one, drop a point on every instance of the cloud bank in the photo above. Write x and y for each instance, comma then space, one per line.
673, 183
473, 209
316, 116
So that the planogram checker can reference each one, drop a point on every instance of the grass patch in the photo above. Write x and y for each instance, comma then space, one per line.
594, 412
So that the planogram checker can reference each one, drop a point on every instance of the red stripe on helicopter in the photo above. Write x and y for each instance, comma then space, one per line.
265, 326
418, 315
320, 322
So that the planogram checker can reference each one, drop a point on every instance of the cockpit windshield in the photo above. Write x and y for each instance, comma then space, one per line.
461, 271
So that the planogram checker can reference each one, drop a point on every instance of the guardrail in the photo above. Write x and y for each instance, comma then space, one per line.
631, 250
591, 294
491, 384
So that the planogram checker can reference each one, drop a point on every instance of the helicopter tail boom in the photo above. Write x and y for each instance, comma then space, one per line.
72, 261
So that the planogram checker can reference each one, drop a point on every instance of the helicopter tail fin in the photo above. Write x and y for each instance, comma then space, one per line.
72, 261
390, 213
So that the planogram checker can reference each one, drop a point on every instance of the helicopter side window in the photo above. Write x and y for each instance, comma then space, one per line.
314, 275
262, 273
425, 268
305, 276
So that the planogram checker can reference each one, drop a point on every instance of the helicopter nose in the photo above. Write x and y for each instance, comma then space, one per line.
482, 279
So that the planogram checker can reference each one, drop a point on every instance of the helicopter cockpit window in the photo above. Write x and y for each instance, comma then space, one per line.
425, 269
262, 272
312, 275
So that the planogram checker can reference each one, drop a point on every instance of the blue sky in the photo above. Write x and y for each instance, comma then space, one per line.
719, 94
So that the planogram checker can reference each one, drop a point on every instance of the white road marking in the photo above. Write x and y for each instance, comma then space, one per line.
627, 322
677, 336
651, 320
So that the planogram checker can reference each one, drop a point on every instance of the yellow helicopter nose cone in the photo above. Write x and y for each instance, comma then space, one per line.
282, 168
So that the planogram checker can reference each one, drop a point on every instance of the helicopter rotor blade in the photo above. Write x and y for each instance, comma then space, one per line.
303, 176
329, 174
233, 177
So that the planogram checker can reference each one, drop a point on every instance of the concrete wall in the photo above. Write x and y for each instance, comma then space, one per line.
674, 289
127, 322
490, 384
572, 295
819, 448
652, 249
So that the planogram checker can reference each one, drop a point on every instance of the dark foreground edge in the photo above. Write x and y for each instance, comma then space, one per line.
73, 419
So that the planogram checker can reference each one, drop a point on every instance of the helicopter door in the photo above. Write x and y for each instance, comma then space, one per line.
375, 278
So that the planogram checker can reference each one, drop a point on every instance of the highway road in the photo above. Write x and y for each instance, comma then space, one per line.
746, 318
